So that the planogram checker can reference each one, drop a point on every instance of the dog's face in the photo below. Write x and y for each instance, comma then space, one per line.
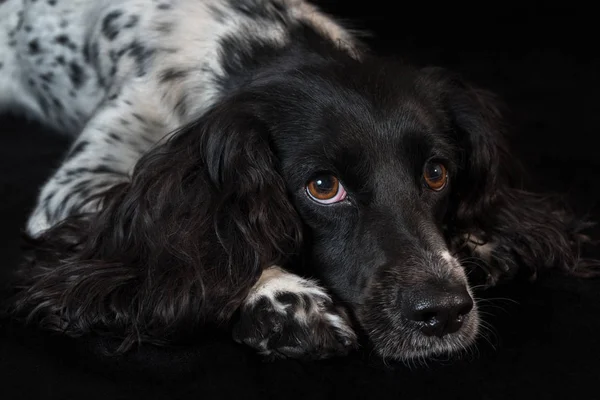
371, 164
377, 175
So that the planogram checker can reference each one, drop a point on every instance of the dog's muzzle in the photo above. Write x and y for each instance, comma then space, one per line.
419, 309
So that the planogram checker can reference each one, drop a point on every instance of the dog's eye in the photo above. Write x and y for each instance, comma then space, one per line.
326, 189
435, 175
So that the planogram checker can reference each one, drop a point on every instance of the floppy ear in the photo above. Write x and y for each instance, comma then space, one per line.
177, 247
491, 216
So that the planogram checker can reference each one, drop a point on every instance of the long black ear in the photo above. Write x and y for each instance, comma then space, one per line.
177, 247
491, 215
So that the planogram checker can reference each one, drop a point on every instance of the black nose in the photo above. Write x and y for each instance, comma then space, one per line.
438, 311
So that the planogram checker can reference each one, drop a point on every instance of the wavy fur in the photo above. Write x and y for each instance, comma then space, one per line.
215, 221
161, 259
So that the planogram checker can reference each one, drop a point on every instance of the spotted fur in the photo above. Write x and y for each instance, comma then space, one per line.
195, 127
120, 76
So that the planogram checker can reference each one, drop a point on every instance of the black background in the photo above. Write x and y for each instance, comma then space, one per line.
545, 340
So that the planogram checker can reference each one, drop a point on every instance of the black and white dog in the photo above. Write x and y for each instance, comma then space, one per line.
234, 158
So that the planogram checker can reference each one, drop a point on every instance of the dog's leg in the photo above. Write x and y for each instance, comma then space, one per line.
102, 156
288, 316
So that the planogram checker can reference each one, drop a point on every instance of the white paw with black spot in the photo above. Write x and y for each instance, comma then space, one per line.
287, 316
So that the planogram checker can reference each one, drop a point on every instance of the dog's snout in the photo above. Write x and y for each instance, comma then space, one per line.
438, 312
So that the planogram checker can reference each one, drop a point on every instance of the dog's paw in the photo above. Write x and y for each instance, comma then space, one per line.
497, 261
288, 316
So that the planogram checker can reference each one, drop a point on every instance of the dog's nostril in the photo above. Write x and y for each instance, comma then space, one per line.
426, 316
465, 308
438, 312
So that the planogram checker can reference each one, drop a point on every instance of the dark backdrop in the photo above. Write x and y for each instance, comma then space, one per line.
544, 340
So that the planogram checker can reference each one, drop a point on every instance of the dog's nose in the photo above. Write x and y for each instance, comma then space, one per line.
438, 311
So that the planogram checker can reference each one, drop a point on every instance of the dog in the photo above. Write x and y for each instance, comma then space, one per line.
250, 165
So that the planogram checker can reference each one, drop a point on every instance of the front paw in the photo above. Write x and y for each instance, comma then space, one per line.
287, 316
495, 260
501, 266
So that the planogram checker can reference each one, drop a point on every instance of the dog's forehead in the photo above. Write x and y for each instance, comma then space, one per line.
368, 128
356, 123
369, 152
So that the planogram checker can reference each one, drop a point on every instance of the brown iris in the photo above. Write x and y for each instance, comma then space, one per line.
435, 175
323, 187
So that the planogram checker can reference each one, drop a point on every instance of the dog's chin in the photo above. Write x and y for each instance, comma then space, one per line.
400, 340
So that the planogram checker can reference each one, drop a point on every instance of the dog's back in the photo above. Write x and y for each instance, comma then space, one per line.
63, 60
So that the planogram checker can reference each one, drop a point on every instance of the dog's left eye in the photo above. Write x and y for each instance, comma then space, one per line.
435, 175
326, 189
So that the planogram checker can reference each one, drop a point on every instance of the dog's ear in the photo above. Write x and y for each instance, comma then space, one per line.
491, 215
178, 246
475, 122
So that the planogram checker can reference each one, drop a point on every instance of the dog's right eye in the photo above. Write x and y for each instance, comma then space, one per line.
435, 175
326, 189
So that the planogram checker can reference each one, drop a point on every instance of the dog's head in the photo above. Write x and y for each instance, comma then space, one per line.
377, 162
392, 171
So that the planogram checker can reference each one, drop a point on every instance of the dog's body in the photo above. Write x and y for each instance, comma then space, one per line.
195, 222
121, 75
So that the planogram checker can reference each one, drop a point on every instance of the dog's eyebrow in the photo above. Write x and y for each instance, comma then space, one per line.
420, 145
408, 114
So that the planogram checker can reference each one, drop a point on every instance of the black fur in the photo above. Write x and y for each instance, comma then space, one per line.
163, 258
532, 229
181, 245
